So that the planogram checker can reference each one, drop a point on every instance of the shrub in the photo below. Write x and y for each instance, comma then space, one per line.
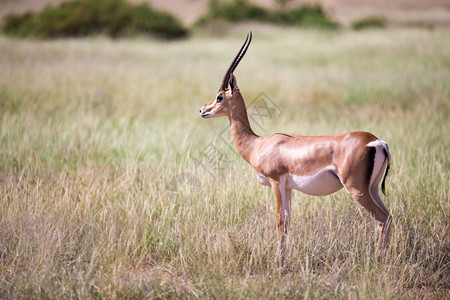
235, 11
369, 22
160, 24
114, 18
241, 10
306, 16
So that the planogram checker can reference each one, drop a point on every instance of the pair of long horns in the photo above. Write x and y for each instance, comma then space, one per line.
236, 61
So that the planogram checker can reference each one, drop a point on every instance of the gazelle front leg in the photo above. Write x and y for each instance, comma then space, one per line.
283, 199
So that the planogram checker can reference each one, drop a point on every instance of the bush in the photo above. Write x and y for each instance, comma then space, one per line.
160, 24
370, 22
242, 10
114, 18
306, 16
235, 11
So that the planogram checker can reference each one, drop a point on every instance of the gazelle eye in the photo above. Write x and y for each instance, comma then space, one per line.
219, 98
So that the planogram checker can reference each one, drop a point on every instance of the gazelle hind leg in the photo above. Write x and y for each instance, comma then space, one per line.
384, 227
363, 187
383, 230
381, 215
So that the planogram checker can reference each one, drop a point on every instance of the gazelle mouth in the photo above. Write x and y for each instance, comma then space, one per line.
204, 114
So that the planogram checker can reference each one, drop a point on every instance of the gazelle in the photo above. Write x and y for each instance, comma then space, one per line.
314, 165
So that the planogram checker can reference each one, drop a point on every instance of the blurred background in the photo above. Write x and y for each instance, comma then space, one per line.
430, 12
189, 13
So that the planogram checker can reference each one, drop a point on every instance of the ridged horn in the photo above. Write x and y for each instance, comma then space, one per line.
236, 61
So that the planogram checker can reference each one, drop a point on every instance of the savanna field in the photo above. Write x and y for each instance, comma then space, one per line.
112, 186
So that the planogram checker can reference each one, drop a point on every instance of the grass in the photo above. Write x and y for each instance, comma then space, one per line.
108, 187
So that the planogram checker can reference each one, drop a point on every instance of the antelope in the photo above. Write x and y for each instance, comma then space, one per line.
314, 165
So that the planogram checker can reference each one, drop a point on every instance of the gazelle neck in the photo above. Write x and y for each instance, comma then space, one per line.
243, 136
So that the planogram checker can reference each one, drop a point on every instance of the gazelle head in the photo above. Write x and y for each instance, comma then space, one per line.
222, 103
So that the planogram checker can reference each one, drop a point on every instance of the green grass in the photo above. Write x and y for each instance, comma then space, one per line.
104, 191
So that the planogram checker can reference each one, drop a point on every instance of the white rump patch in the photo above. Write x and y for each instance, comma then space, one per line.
374, 143
379, 167
379, 159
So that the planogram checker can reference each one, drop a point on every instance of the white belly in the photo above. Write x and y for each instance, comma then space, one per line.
322, 183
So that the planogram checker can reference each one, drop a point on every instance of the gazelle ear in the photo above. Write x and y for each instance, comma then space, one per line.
232, 83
